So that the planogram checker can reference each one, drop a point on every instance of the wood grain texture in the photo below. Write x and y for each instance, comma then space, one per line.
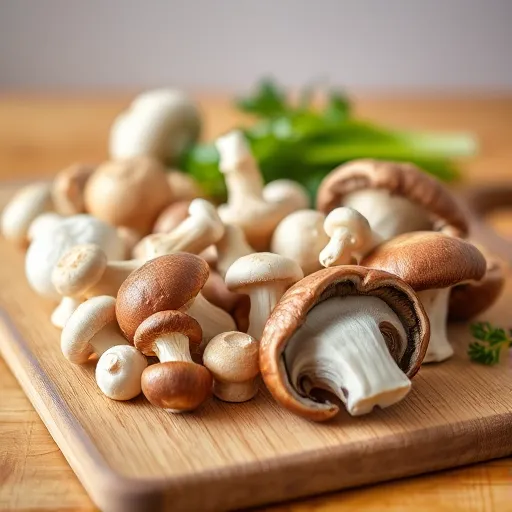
42, 134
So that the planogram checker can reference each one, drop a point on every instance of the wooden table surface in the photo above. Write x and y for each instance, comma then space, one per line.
41, 134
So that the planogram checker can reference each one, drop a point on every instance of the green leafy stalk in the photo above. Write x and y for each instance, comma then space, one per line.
490, 342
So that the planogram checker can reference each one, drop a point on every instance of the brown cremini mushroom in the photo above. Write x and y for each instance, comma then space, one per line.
176, 384
356, 333
432, 263
395, 197
129, 193
68, 189
232, 358
170, 283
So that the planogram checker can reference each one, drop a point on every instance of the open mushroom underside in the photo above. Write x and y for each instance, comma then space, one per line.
354, 348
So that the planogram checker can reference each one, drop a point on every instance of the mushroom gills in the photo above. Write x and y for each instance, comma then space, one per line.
106, 338
172, 347
435, 303
388, 215
344, 348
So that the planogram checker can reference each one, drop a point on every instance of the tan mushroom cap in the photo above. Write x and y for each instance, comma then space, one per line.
262, 267
400, 179
78, 269
129, 193
232, 357
171, 217
292, 310
471, 299
163, 323
165, 283
68, 189
88, 319
427, 260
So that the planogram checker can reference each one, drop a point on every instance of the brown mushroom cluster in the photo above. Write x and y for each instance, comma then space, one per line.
180, 298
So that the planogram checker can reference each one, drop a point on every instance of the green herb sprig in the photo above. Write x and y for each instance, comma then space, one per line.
490, 342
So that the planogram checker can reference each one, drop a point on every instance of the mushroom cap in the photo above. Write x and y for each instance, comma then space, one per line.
427, 260
78, 269
177, 385
400, 179
232, 357
119, 371
87, 320
22, 209
43, 223
68, 189
171, 216
260, 268
184, 186
48, 247
129, 193
352, 220
471, 299
164, 323
165, 283
286, 191
292, 310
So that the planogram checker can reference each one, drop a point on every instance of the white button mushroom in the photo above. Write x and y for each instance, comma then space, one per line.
42, 224
287, 192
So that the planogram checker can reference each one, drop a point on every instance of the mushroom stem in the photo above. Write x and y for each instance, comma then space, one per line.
106, 338
230, 247
263, 300
172, 347
64, 310
338, 251
435, 303
235, 391
113, 277
212, 319
340, 348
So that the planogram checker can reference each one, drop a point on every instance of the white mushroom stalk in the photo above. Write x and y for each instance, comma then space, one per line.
435, 303
61, 314
341, 348
351, 236
230, 247
388, 215
172, 347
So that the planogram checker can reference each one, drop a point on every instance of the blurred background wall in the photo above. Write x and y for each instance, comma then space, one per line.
228, 44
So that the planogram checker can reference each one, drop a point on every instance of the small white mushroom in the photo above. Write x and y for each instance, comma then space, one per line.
22, 209
230, 247
287, 192
264, 277
42, 224
351, 237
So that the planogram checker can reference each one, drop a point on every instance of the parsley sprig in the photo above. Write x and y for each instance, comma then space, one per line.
490, 341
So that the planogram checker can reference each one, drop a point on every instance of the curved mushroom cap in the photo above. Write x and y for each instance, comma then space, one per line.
42, 224
427, 260
164, 323
292, 310
128, 193
171, 217
22, 209
260, 268
286, 191
232, 357
400, 179
87, 320
351, 220
78, 269
166, 283
48, 247
184, 186
471, 299
68, 189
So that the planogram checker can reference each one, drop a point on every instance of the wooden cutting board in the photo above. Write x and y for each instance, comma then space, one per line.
132, 456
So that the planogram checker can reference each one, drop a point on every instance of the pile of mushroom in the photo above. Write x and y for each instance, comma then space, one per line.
339, 306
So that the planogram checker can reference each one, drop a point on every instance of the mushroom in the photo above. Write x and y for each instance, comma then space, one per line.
43, 223
246, 206
92, 329
119, 371
395, 197
160, 123
431, 263
199, 230
471, 299
287, 192
129, 193
264, 277
184, 187
170, 283
355, 334
171, 217
68, 189
237, 305
28, 203
176, 384
231, 246
233, 360
301, 236
130, 239
84, 271
350, 237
